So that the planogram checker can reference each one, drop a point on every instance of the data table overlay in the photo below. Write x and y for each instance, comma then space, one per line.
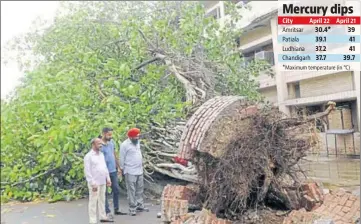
318, 35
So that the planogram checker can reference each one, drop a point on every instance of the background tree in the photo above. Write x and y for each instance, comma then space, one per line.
118, 64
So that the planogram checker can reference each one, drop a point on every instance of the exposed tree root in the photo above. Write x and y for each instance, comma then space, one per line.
253, 169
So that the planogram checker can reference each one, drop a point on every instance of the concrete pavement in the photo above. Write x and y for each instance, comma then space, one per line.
74, 212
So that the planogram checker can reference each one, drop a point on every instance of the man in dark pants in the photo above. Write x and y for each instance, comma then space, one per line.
112, 162
131, 162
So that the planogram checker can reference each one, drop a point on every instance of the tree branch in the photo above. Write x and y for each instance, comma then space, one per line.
174, 174
147, 62
163, 154
30, 179
184, 170
146, 39
190, 90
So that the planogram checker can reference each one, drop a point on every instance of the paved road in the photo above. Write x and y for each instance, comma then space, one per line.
74, 212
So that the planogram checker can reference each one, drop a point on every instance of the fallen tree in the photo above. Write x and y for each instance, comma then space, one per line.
118, 64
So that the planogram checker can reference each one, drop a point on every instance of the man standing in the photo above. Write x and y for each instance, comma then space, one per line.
97, 176
112, 162
131, 163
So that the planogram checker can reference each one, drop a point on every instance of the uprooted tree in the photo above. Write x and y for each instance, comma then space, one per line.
240, 157
118, 64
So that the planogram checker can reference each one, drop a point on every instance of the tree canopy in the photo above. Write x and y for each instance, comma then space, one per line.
117, 64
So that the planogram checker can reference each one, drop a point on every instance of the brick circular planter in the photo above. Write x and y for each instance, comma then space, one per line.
214, 125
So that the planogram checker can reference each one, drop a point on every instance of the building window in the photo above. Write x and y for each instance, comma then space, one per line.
297, 90
263, 53
238, 1
247, 59
265, 56
215, 13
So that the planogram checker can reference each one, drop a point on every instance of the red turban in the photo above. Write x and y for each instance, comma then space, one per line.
134, 132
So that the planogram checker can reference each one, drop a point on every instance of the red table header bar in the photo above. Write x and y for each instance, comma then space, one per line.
313, 20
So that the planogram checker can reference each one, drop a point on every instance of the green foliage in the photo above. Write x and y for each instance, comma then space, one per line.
84, 79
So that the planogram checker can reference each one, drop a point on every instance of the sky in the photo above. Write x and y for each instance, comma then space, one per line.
16, 18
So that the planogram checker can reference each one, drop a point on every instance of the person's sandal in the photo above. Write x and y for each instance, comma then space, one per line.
142, 209
106, 220
120, 213
132, 212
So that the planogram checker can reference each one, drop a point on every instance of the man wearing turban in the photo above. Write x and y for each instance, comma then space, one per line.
131, 163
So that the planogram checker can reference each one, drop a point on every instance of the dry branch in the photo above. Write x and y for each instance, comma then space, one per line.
176, 175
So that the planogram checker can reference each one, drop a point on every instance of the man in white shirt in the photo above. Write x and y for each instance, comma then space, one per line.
97, 176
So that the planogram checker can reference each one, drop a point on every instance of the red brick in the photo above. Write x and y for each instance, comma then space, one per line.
349, 217
337, 218
352, 213
346, 209
313, 191
349, 203
178, 192
337, 209
325, 212
336, 199
341, 213
183, 218
332, 206
251, 110
346, 220
307, 217
355, 209
204, 217
299, 216
357, 204
175, 201
287, 221
340, 192
343, 200
328, 198
172, 208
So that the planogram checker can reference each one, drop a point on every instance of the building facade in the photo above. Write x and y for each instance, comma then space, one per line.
302, 93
